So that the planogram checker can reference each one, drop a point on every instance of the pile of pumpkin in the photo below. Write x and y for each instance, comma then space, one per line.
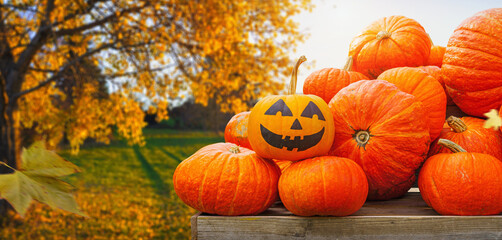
360, 133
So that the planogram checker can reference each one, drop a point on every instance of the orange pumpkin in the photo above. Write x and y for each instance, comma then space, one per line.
435, 72
426, 89
326, 82
390, 42
383, 130
462, 183
470, 133
225, 179
436, 56
324, 185
472, 63
236, 130
291, 127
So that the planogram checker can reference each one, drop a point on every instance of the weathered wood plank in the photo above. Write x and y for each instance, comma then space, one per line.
349, 227
193, 225
406, 217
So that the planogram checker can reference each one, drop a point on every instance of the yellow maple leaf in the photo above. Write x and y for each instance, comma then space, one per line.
38, 179
493, 120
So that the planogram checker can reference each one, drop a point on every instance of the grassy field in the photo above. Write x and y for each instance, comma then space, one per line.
126, 190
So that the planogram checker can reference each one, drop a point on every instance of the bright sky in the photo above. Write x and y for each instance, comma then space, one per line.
333, 23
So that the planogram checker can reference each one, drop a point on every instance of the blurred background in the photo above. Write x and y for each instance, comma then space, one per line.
128, 89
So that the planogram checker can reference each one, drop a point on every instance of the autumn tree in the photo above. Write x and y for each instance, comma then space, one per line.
52, 51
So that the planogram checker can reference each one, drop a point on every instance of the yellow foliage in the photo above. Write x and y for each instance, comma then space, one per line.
233, 52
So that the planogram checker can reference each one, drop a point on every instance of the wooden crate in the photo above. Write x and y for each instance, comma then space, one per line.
404, 218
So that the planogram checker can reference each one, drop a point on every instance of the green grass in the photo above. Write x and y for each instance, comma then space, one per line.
127, 191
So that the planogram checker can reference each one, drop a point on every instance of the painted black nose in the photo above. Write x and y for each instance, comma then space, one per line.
296, 125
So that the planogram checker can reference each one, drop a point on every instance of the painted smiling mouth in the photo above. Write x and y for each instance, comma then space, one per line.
297, 142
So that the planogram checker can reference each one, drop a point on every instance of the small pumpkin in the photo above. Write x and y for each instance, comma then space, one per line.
326, 82
325, 185
291, 127
226, 179
436, 56
383, 130
390, 42
435, 72
426, 89
462, 183
472, 63
470, 133
236, 130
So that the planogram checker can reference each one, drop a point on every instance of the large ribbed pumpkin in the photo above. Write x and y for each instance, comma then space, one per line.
472, 63
390, 42
236, 130
426, 89
384, 130
462, 183
469, 133
326, 82
291, 127
225, 179
324, 185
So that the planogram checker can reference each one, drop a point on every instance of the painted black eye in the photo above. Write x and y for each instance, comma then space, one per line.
311, 110
279, 106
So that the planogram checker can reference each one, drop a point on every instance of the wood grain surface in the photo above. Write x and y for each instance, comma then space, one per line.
408, 217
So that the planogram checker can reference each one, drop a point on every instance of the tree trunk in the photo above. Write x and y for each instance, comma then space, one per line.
9, 145
8, 139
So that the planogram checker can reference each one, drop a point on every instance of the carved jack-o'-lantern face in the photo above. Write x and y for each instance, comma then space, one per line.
291, 127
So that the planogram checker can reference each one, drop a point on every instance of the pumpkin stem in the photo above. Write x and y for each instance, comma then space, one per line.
456, 124
450, 145
234, 149
383, 34
294, 75
362, 137
348, 64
